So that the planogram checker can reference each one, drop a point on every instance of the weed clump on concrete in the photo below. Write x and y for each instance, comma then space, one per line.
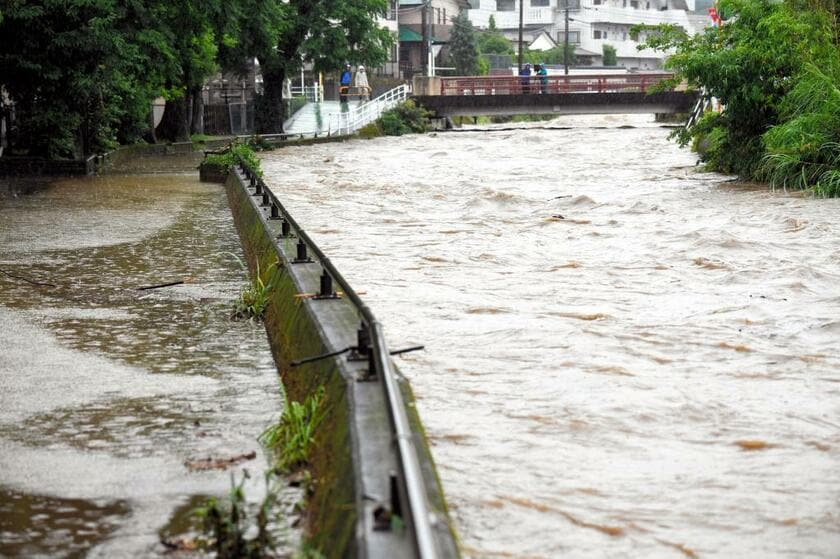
255, 296
231, 156
293, 435
231, 531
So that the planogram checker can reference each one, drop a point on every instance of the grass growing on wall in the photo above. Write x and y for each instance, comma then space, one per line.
293, 436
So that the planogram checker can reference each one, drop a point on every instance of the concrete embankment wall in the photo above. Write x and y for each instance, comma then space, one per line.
355, 454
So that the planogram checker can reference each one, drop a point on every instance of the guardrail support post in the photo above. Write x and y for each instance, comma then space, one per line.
275, 213
302, 257
362, 349
326, 291
395, 495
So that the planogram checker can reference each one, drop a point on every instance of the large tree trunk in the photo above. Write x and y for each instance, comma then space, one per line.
197, 106
272, 106
173, 126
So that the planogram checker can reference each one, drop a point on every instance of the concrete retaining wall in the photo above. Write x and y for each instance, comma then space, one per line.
354, 454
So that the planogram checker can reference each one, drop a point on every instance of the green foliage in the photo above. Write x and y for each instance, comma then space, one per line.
233, 154
493, 42
463, 46
804, 150
282, 35
764, 66
610, 58
293, 436
550, 56
230, 530
80, 74
405, 118
254, 298
372, 130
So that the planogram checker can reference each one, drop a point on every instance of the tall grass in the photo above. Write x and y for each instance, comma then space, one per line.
293, 436
804, 150
254, 298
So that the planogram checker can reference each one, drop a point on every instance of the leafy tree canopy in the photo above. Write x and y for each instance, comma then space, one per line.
463, 46
756, 65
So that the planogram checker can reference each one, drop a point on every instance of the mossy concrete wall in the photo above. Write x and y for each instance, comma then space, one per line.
354, 452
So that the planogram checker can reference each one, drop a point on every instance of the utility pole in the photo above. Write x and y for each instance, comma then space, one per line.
566, 43
424, 50
521, 19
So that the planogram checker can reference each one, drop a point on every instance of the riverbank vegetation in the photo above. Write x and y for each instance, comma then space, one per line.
292, 437
774, 70
230, 156
405, 118
79, 77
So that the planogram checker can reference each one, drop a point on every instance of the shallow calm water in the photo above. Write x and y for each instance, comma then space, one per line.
625, 357
111, 396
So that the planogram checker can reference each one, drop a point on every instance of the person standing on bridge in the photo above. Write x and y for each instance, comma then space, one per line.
542, 72
362, 86
525, 78
344, 83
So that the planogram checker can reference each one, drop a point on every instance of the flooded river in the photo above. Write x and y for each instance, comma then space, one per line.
624, 357
114, 398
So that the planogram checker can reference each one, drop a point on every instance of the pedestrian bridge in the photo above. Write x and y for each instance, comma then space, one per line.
579, 94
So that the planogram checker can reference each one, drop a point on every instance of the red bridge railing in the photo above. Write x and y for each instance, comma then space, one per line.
514, 85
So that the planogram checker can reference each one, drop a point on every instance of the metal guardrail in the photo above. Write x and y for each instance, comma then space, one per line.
704, 103
417, 514
354, 118
515, 85
313, 93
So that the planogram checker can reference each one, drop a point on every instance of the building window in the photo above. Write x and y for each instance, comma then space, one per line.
596, 2
392, 11
444, 16
574, 37
539, 3
598, 34
634, 4
506, 5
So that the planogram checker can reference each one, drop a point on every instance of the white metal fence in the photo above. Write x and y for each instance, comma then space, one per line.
347, 122
313, 93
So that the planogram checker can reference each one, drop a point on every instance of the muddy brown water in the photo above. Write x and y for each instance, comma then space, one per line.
624, 357
108, 392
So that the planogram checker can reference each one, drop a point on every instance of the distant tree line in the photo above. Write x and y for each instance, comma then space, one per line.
774, 69
81, 75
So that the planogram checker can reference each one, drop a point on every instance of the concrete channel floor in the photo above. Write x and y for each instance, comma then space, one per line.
112, 398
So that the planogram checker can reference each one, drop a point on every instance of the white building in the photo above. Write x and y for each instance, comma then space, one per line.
592, 24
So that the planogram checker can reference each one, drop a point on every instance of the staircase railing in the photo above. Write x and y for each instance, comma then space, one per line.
347, 122
704, 103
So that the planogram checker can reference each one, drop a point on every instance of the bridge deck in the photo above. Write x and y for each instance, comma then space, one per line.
550, 94
559, 103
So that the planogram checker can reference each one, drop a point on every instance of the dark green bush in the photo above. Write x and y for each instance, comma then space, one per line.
232, 155
404, 119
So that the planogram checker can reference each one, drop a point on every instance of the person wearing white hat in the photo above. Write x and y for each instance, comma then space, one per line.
362, 86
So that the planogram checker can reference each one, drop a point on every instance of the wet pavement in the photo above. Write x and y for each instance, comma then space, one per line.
109, 392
